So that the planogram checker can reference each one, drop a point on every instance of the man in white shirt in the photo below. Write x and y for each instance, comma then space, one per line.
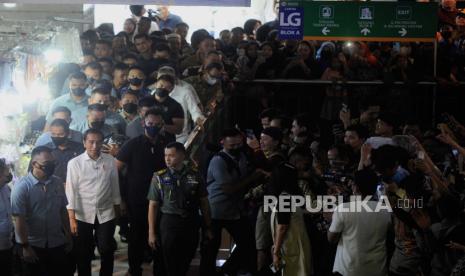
361, 236
92, 189
186, 96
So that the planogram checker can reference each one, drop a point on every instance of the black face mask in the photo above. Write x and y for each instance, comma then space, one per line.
152, 131
48, 169
135, 81
78, 91
97, 124
161, 92
130, 108
58, 141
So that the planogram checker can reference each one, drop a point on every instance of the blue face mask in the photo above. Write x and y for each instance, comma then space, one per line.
152, 131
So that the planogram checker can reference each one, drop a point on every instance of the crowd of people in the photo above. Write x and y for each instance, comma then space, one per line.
113, 154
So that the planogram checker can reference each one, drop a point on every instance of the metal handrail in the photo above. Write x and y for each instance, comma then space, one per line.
199, 130
325, 82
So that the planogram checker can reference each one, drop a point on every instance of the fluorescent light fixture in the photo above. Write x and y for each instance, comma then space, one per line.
9, 5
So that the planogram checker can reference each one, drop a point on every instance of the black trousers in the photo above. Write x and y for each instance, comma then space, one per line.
137, 238
6, 261
245, 254
179, 241
102, 234
51, 262
138, 241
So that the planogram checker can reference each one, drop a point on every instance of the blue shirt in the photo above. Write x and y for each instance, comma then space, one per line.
46, 138
67, 101
6, 224
135, 128
224, 206
170, 22
106, 129
112, 119
42, 204
143, 92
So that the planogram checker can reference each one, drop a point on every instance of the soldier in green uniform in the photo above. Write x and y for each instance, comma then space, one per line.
178, 192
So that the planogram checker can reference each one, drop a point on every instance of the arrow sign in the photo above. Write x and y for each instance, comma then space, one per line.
365, 31
403, 32
325, 31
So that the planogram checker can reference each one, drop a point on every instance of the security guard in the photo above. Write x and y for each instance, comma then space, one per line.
178, 192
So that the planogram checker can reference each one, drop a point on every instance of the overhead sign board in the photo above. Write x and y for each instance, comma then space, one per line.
219, 3
358, 21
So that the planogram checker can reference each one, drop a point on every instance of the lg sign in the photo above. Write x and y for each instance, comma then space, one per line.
291, 20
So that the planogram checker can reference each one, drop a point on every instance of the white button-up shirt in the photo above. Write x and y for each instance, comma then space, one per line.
92, 188
186, 96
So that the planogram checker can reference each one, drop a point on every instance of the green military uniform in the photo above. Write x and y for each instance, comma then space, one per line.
205, 92
178, 194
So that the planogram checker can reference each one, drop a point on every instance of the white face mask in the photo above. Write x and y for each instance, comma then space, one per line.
211, 81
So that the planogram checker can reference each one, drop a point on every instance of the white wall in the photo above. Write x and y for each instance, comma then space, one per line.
41, 11
214, 19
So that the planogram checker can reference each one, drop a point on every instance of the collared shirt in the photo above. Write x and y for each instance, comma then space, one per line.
67, 101
117, 92
62, 157
117, 122
92, 188
143, 92
170, 23
171, 109
106, 129
112, 119
142, 159
134, 128
6, 224
186, 96
42, 205
126, 117
178, 192
46, 138
361, 250
225, 206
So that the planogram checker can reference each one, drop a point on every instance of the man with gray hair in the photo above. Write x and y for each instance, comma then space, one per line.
186, 96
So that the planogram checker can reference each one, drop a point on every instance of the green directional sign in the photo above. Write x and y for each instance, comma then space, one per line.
360, 21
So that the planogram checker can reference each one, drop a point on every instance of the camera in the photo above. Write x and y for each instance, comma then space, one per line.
115, 139
154, 15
